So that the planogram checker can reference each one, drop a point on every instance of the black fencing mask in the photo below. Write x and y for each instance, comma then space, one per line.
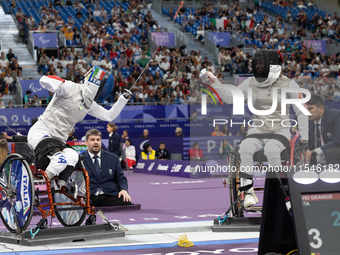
262, 60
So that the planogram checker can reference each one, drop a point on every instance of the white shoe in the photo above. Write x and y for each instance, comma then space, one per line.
250, 198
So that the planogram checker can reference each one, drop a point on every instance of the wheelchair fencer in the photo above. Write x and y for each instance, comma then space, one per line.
19, 195
294, 154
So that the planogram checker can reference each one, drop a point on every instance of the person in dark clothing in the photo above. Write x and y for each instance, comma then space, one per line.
108, 185
162, 152
324, 133
114, 139
145, 134
10, 55
24, 27
71, 136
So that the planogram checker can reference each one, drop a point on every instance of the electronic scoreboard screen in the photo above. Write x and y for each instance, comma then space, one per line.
322, 218
315, 199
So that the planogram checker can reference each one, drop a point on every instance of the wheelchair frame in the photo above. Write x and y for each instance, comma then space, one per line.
16, 167
236, 196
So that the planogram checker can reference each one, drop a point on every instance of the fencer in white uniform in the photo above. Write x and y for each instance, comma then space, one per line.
70, 104
266, 66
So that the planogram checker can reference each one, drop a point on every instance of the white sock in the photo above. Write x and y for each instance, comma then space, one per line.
61, 183
274, 159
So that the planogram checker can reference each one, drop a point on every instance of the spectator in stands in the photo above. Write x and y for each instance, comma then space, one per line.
217, 131
4, 151
88, 58
178, 95
242, 130
162, 152
3, 61
49, 98
54, 62
69, 35
143, 61
130, 153
19, 15
10, 55
122, 61
114, 140
125, 134
148, 152
150, 99
42, 62
225, 131
71, 136
179, 132
10, 105
328, 95
14, 64
2, 104
145, 134
158, 78
108, 185
27, 97
195, 153
9, 82
36, 100
6, 137
59, 22
143, 40
224, 148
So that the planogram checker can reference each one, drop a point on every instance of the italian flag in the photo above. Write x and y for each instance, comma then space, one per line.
98, 74
249, 23
219, 23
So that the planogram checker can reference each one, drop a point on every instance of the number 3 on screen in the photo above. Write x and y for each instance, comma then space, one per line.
337, 221
316, 237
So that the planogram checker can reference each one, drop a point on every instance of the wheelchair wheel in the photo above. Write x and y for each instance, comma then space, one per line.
16, 193
73, 216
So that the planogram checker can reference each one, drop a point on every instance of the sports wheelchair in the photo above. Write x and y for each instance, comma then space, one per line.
294, 154
19, 195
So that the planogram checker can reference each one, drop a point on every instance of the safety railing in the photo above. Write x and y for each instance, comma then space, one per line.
18, 92
210, 45
157, 6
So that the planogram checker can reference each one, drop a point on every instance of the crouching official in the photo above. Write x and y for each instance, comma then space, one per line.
108, 185
324, 133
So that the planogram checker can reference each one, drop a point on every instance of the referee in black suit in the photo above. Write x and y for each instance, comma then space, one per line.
324, 133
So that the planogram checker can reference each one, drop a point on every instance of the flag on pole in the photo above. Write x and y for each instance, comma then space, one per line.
219, 23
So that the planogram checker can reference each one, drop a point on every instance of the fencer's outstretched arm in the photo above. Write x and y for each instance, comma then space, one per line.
108, 115
224, 90
56, 85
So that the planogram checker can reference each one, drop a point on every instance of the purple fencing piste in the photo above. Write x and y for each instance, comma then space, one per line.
164, 39
45, 40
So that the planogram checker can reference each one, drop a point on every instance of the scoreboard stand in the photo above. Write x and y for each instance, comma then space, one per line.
314, 227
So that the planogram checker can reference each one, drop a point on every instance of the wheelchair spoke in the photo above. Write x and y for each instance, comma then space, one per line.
17, 194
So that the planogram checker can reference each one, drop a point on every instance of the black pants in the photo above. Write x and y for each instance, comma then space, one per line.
106, 200
333, 156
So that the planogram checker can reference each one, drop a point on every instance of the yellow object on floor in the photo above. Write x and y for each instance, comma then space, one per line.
183, 241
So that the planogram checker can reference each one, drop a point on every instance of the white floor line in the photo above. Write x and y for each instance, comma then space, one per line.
139, 240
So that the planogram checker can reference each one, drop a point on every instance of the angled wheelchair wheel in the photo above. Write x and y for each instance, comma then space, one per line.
16, 193
71, 215
235, 181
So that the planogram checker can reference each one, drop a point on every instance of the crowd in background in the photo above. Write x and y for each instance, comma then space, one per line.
170, 74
